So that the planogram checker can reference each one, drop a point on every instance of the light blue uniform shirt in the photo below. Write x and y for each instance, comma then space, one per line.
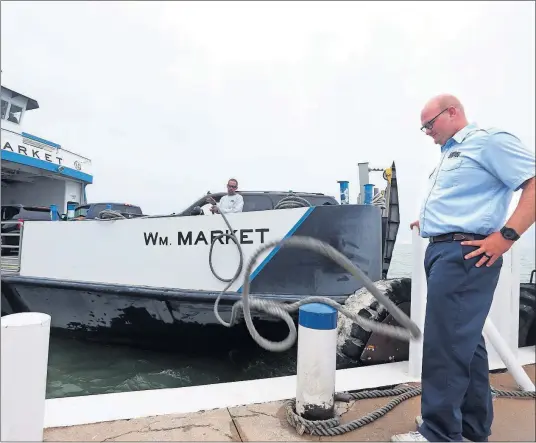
472, 187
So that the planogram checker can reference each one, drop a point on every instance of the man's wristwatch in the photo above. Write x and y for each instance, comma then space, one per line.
509, 234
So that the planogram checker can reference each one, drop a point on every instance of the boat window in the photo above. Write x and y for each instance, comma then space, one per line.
257, 203
4, 109
15, 113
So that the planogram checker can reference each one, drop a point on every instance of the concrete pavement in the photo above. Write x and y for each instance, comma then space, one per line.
515, 420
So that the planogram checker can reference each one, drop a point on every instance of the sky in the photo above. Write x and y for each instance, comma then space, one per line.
170, 99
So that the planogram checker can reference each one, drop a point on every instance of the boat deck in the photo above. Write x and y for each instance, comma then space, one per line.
515, 420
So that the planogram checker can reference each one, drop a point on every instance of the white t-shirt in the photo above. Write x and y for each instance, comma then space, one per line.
231, 203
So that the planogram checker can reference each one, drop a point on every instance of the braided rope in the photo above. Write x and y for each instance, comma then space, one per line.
333, 427
513, 394
407, 331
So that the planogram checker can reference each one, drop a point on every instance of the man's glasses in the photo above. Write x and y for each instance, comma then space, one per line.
232, 186
430, 123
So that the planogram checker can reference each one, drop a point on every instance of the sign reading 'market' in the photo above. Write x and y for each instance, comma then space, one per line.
16, 143
193, 238
30, 151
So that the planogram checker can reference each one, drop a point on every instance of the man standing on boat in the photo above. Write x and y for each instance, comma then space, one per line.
463, 216
232, 202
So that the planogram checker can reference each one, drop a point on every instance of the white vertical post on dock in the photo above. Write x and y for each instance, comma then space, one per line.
317, 361
24, 360
501, 329
515, 294
418, 301
504, 312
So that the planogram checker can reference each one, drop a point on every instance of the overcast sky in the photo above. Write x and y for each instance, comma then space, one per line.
170, 99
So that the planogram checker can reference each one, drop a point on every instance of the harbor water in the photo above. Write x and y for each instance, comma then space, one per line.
80, 368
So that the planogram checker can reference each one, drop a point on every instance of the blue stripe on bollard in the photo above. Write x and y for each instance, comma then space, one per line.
318, 316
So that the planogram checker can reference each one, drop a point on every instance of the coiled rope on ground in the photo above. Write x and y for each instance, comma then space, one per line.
333, 426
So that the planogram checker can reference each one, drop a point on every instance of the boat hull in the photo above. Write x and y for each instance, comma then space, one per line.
120, 287
150, 318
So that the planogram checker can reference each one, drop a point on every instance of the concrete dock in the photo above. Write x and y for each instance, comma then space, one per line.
515, 420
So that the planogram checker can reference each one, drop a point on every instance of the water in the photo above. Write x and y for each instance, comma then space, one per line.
79, 368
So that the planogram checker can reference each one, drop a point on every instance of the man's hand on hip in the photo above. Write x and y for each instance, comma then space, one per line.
415, 223
493, 246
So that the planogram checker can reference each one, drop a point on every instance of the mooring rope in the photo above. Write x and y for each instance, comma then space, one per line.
407, 331
333, 427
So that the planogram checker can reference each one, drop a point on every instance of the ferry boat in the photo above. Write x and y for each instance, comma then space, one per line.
152, 281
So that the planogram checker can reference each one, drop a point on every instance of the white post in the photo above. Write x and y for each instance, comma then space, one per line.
504, 312
510, 361
515, 282
25, 341
317, 361
418, 301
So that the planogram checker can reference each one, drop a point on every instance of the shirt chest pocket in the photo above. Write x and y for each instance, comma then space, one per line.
449, 172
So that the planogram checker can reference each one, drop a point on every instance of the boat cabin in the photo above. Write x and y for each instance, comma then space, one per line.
36, 171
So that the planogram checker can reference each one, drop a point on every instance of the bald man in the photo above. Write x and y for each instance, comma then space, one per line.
464, 217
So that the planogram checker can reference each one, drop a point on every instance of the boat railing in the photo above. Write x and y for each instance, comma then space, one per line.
10, 250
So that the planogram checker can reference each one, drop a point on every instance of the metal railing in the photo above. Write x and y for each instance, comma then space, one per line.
10, 259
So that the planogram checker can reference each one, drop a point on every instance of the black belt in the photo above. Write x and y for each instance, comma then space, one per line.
456, 236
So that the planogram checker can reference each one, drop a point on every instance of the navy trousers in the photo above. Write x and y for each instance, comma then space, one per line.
456, 395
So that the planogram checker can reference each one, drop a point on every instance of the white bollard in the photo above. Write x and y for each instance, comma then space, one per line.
317, 361
492, 335
515, 282
24, 360
505, 311
418, 301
